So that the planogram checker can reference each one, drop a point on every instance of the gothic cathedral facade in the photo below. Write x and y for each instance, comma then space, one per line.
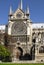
24, 39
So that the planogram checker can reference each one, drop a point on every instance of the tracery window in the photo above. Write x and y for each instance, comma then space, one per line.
19, 15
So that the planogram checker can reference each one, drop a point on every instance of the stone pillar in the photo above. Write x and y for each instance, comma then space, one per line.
16, 54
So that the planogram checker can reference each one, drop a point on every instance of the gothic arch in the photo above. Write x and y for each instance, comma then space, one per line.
41, 49
32, 52
21, 52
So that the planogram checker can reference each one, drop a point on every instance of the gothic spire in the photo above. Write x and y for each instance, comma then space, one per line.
28, 10
20, 6
10, 12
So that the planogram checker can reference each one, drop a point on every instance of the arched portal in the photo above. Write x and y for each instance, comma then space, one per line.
21, 50
27, 56
32, 52
21, 53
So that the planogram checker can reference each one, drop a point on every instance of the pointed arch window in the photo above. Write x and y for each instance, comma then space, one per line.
19, 15
41, 49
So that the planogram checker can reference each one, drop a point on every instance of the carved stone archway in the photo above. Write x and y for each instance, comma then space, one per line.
21, 52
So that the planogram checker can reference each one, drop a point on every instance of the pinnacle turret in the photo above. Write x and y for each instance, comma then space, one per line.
20, 5
10, 12
27, 11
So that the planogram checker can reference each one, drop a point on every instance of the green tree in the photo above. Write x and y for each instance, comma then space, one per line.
4, 53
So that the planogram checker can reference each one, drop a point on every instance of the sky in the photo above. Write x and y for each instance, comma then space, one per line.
36, 8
